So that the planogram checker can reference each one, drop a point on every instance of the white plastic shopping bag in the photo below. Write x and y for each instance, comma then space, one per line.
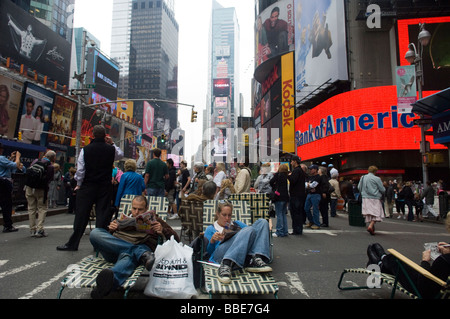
172, 274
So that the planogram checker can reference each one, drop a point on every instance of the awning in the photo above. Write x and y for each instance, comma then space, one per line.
433, 104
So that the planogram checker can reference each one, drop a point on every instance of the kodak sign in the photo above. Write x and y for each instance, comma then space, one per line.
288, 93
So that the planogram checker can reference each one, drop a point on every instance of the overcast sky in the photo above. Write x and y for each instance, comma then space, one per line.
193, 17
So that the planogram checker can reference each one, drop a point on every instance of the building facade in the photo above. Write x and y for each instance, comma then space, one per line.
349, 72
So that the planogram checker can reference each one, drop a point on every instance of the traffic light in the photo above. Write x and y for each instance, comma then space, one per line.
163, 138
19, 136
194, 116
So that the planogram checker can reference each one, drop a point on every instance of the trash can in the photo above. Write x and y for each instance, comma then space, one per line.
355, 217
443, 204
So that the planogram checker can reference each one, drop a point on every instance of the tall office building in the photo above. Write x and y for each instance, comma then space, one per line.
57, 15
120, 41
223, 83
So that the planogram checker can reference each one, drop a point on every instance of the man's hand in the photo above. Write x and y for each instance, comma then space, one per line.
157, 227
113, 226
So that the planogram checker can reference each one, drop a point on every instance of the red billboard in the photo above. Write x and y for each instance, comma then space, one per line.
357, 121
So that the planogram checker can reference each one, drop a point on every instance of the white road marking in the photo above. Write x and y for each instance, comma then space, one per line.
3, 262
19, 269
295, 284
44, 285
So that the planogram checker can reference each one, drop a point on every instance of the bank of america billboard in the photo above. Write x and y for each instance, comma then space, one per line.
320, 42
27, 41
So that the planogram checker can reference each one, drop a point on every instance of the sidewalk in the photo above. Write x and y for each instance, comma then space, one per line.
22, 215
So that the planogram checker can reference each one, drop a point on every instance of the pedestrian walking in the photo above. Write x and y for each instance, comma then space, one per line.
185, 179
336, 193
37, 196
279, 184
131, 183
325, 195
170, 187
54, 186
156, 173
371, 189
7, 168
94, 171
313, 195
389, 199
297, 195
428, 198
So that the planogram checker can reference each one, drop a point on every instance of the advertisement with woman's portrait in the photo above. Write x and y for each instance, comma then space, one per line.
10, 98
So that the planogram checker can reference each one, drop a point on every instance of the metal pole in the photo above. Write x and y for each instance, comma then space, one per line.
79, 111
423, 149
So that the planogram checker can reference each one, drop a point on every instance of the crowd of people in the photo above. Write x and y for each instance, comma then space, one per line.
309, 193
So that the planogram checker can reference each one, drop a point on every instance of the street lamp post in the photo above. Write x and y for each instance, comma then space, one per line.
415, 57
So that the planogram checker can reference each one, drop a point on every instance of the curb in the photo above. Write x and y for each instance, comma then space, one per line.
23, 215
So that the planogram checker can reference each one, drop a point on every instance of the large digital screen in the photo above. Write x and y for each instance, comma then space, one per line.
357, 121
28, 41
274, 31
320, 42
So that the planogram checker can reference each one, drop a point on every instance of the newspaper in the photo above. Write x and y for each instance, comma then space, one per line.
143, 222
433, 247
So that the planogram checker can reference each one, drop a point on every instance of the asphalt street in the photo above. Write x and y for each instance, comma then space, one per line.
305, 267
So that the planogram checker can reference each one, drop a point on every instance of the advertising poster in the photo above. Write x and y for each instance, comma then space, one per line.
61, 126
28, 41
130, 147
10, 98
274, 31
148, 118
320, 42
36, 115
406, 87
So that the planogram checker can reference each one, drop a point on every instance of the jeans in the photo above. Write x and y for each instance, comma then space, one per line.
313, 200
158, 192
124, 255
333, 205
282, 224
251, 240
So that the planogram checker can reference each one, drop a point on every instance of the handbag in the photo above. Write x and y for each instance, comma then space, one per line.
172, 273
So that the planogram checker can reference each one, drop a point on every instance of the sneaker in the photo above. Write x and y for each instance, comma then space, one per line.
225, 273
315, 227
174, 216
33, 232
257, 265
40, 234
10, 229
105, 284
148, 259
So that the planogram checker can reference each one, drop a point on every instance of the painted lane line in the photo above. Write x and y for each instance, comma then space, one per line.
295, 284
44, 285
19, 269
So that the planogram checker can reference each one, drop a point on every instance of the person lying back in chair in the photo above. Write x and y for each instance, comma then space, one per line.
129, 243
236, 243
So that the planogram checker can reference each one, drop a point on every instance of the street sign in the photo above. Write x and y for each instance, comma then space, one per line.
89, 86
79, 92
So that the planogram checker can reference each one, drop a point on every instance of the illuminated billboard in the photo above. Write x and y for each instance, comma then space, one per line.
274, 31
103, 73
222, 87
357, 121
320, 42
27, 41
10, 98
436, 56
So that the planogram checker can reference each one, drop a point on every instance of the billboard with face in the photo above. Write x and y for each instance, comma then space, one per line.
320, 42
27, 41
274, 31
36, 115
63, 117
10, 97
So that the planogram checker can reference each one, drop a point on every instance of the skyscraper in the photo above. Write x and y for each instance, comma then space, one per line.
223, 81
145, 44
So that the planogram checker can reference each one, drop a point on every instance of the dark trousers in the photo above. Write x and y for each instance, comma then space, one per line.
87, 196
323, 207
297, 208
6, 202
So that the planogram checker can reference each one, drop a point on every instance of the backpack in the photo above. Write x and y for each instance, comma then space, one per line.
36, 175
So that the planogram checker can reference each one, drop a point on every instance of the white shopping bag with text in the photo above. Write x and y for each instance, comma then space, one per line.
172, 274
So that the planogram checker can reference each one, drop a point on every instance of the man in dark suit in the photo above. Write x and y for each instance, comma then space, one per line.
94, 174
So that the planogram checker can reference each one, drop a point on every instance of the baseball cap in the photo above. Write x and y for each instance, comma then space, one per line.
314, 166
